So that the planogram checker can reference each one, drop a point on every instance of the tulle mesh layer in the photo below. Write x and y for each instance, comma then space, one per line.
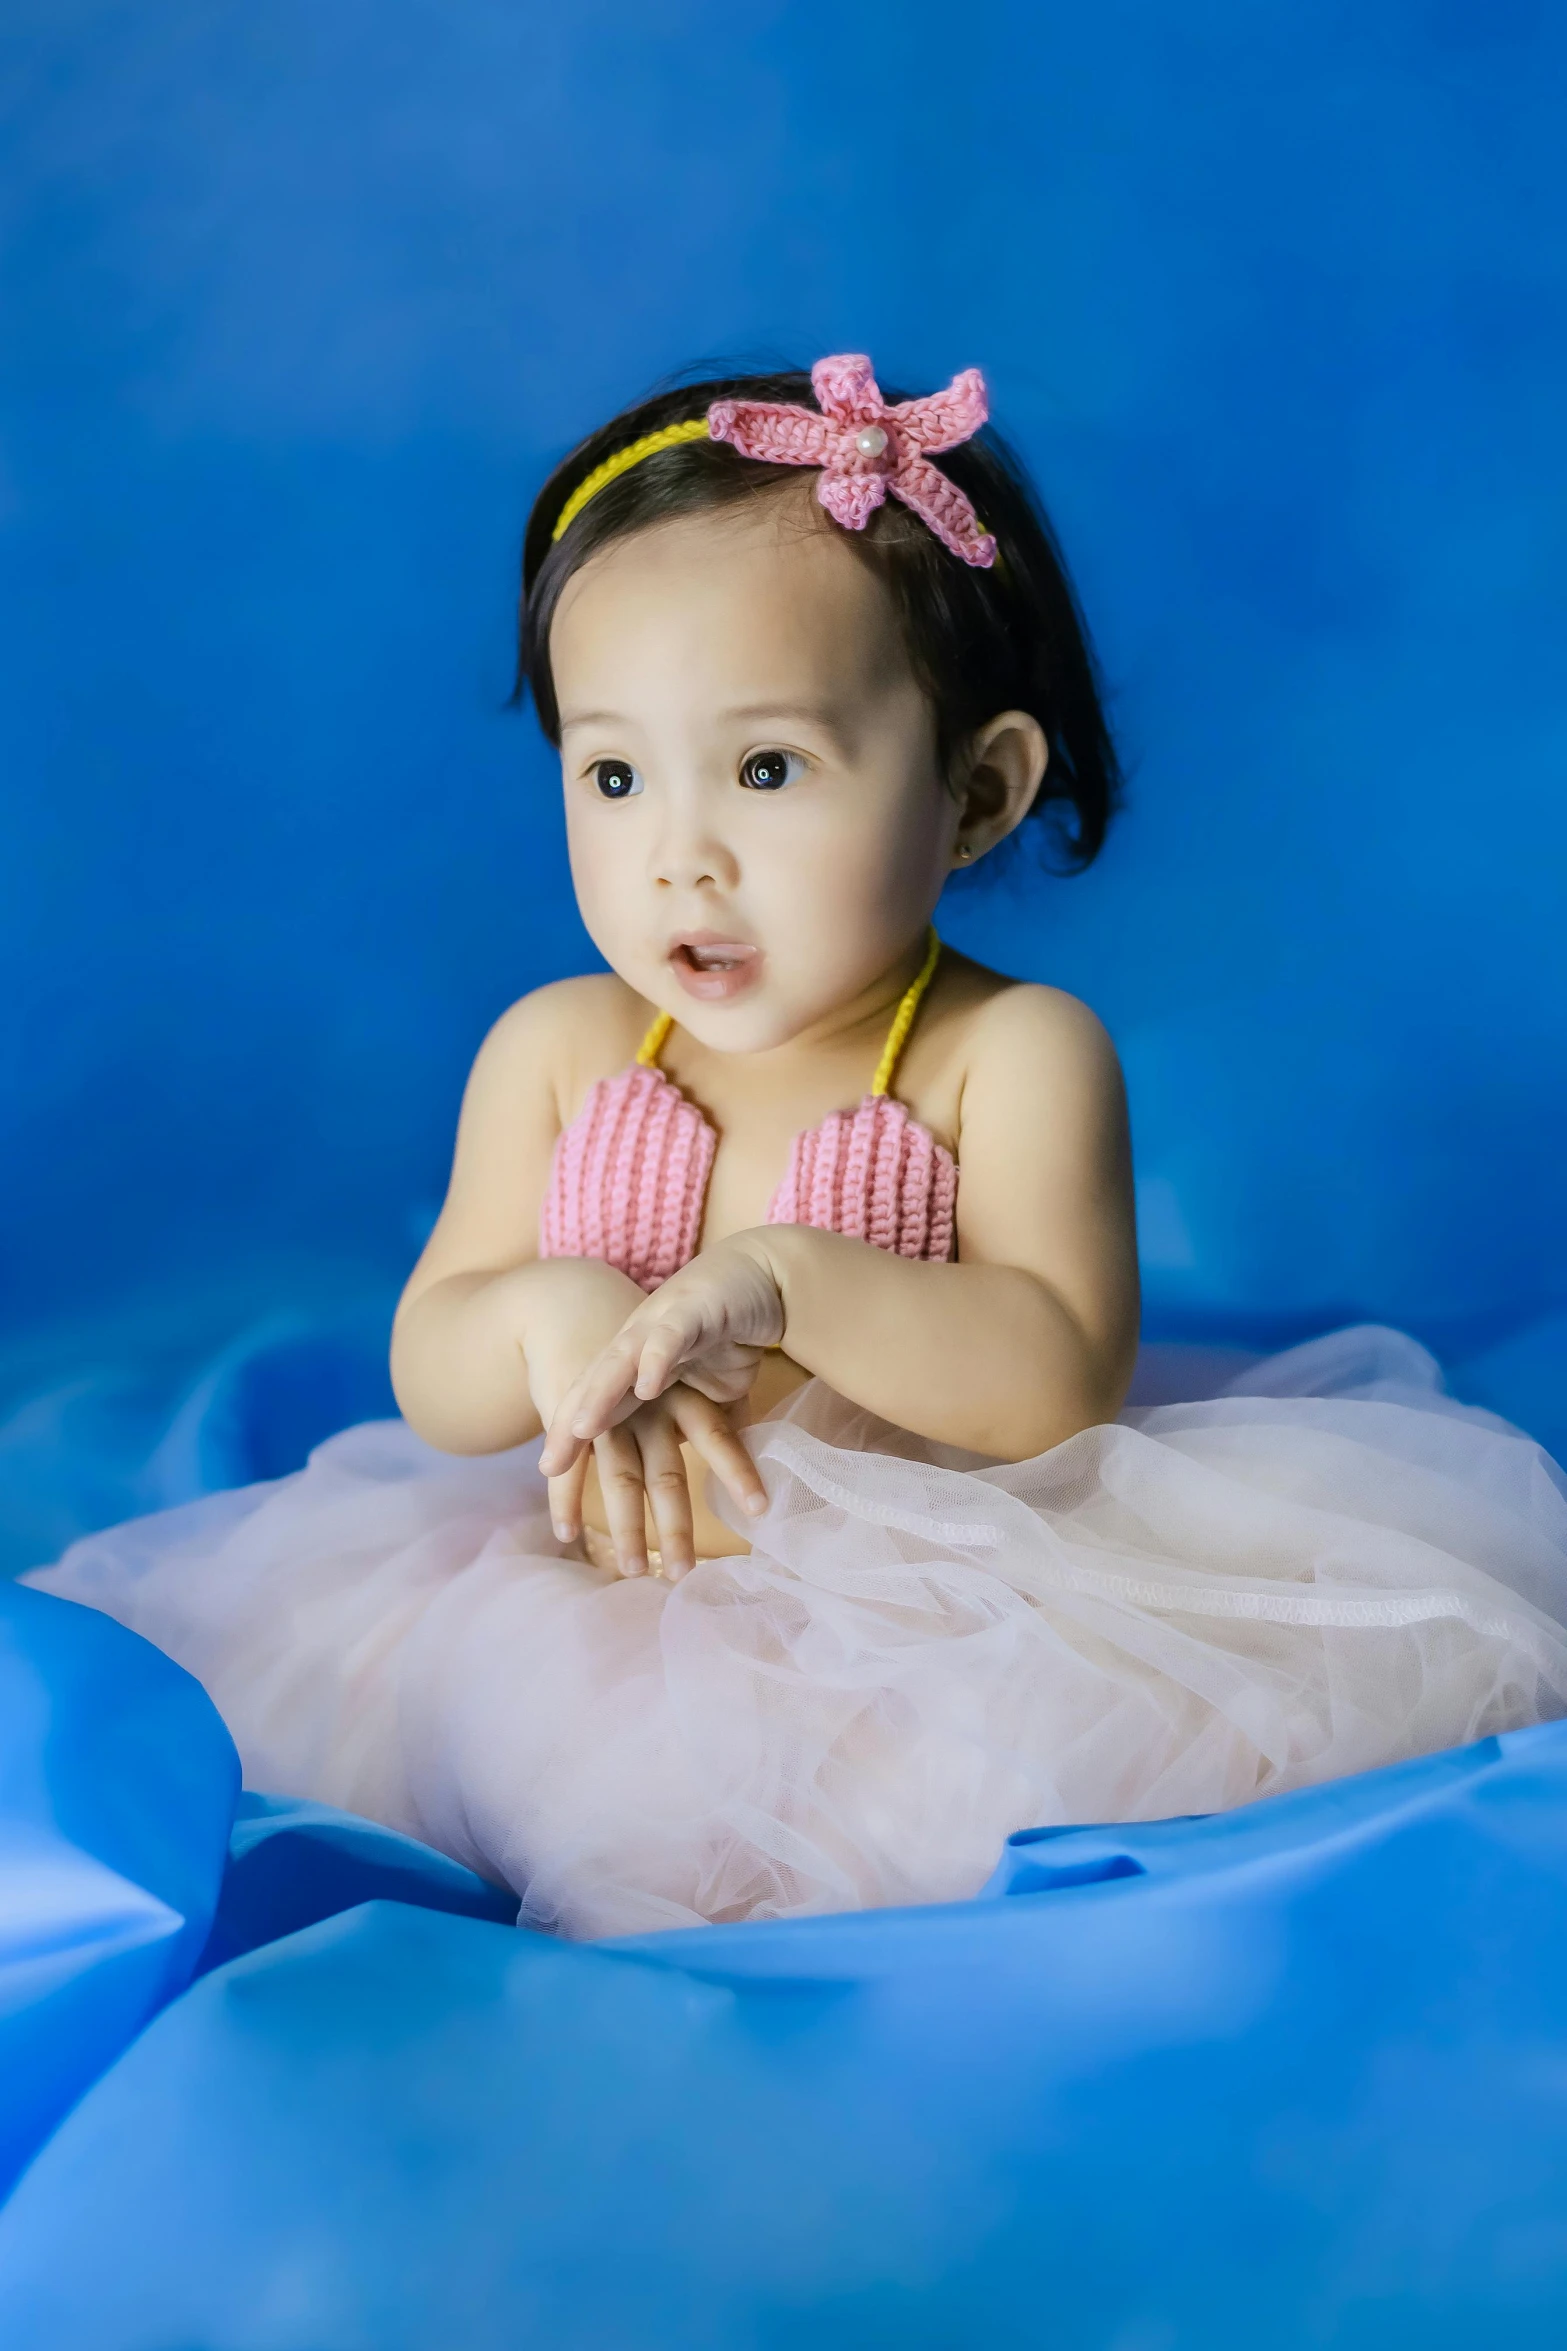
1328, 1567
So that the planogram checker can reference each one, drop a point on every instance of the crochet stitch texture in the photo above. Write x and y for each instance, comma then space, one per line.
628, 1182
865, 448
629, 1179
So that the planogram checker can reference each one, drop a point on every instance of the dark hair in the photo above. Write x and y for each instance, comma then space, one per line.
1009, 637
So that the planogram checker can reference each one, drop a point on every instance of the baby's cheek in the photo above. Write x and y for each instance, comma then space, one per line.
609, 875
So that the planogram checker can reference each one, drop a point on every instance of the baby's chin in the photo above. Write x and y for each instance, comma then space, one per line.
750, 1009
743, 994
748, 1024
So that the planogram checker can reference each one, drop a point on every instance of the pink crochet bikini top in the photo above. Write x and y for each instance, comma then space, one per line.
628, 1182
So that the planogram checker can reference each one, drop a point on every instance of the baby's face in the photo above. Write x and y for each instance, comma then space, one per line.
757, 823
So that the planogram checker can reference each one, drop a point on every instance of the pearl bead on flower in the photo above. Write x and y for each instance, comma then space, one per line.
871, 442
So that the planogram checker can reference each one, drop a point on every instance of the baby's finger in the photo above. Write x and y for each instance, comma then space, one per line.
562, 1451
606, 1391
565, 1438
565, 1494
625, 1498
673, 1337
707, 1428
561, 1448
669, 1495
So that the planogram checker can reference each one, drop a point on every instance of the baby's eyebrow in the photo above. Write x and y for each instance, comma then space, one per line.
593, 718
827, 715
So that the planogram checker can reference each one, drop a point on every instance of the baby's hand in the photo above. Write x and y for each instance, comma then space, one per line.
641, 1469
695, 1343
707, 1326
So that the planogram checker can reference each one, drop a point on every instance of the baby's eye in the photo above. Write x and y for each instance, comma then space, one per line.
769, 771
617, 779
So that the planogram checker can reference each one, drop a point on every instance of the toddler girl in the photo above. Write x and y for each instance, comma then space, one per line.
764, 1533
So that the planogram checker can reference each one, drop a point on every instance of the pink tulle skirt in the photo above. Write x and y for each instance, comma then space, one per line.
1328, 1566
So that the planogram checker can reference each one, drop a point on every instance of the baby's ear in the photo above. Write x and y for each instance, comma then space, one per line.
1004, 766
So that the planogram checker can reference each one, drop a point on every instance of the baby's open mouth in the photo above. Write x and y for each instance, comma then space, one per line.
713, 968
724, 958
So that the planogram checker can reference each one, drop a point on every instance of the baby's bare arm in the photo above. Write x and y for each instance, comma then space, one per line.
480, 1359
487, 1336
1032, 1335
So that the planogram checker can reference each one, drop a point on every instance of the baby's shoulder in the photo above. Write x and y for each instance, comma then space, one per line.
1009, 1028
1033, 1062
560, 1038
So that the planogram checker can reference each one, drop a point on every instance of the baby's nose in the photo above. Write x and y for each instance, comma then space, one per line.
693, 856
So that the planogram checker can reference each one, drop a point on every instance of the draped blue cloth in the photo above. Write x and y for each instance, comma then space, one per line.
1287, 2076
117, 1789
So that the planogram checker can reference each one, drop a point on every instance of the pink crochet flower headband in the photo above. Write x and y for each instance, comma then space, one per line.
863, 447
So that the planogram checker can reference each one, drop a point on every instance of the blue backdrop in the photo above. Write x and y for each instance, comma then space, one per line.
301, 302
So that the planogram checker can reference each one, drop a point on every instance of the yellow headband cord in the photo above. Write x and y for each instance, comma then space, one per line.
670, 437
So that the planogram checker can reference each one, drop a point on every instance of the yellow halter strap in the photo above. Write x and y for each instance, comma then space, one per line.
897, 1036
903, 1018
652, 1044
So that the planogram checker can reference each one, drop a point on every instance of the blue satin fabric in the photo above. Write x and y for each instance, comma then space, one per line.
292, 1864
1286, 2077
117, 1788
130, 1861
